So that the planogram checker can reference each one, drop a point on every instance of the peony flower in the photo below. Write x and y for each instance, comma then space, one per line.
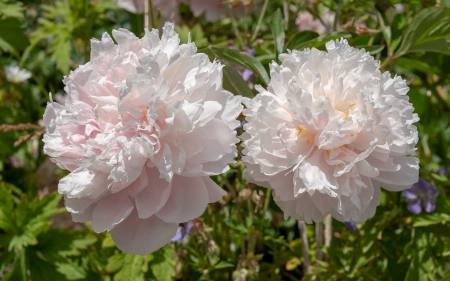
421, 194
16, 75
146, 123
328, 132
305, 21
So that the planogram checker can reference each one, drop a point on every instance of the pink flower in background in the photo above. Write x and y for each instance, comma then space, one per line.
146, 123
305, 21
328, 132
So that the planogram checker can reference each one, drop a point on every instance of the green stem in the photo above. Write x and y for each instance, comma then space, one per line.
35, 78
261, 17
235, 28
337, 15
151, 20
23, 265
267, 200
386, 62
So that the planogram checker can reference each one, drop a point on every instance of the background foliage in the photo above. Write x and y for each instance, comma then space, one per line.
243, 236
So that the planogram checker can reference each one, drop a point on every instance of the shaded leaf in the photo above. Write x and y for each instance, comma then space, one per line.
243, 59
301, 38
278, 32
233, 82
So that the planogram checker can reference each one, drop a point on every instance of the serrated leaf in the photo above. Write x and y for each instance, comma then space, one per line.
243, 59
19, 242
133, 268
71, 271
11, 9
233, 82
163, 266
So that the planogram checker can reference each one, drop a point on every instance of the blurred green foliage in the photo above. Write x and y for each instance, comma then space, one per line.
244, 236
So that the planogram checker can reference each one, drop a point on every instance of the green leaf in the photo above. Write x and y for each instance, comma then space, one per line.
278, 32
11, 9
71, 271
319, 42
132, 267
12, 35
223, 265
428, 31
163, 266
7, 221
19, 242
196, 34
42, 270
243, 59
373, 49
233, 82
301, 38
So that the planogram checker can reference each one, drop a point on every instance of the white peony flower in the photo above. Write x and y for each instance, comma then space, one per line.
328, 132
146, 123
16, 75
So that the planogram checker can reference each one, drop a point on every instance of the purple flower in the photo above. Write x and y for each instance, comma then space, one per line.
351, 226
182, 231
241, 125
245, 73
442, 171
421, 194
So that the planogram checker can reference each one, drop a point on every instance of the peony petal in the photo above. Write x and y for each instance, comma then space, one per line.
153, 197
142, 236
188, 199
215, 192
110, 211
404, 178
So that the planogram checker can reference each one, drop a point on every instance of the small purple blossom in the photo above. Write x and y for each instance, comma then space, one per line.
245, 73
351, 226
182, 231
241, 125
421, 194
442, 171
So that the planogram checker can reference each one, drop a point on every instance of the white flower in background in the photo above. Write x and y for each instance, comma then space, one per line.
146, 123
132, 6
214, 9
305, 21
169, 9
16, 75
328, 132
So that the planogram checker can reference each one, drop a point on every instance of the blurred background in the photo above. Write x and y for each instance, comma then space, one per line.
244, 236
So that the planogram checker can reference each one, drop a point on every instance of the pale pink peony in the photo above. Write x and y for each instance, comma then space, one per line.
328, 132
146, 123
